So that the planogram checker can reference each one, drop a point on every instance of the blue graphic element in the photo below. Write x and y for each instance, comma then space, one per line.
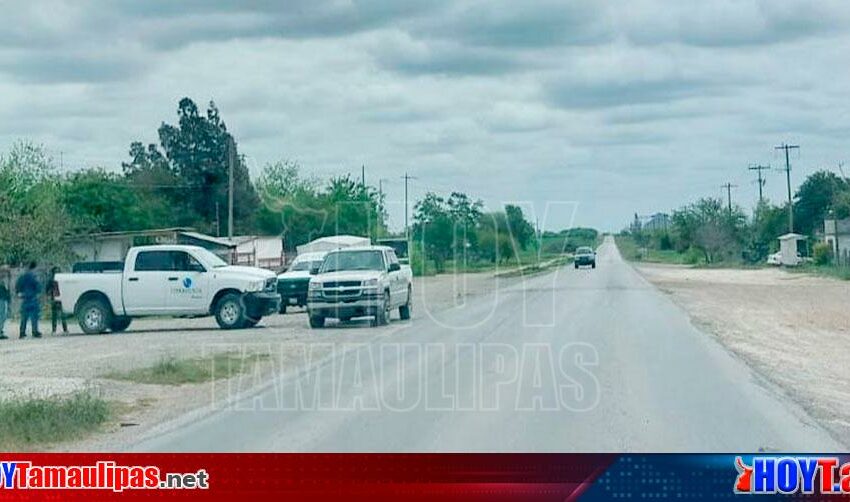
187, 282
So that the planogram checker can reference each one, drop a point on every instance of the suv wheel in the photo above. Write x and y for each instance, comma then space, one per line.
404, 310
94, 316
317, 321
382, 313
230, 312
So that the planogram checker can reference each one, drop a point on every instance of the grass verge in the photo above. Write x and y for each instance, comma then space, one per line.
172, 371
630, 250
27, 423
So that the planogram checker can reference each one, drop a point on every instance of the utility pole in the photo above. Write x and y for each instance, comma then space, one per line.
761, 180
217, 220
406, 178
363, 174
729, 187
231, 160
381, 198
787, 149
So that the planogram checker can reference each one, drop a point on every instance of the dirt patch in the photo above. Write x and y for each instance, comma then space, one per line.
793, 329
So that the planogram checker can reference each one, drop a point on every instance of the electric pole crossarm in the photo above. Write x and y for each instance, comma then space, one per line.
761, 180
787, 149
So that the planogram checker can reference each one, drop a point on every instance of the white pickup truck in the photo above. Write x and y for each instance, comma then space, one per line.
177, 281
359, 282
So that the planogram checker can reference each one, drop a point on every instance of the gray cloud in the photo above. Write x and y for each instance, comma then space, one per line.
538, 100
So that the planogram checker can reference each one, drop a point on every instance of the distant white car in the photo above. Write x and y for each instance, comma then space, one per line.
774, 259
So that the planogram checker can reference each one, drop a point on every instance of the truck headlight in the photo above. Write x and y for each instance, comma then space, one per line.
371, 283
255, 286
313, 286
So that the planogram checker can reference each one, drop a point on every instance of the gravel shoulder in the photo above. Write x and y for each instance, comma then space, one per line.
60, 365
793, 329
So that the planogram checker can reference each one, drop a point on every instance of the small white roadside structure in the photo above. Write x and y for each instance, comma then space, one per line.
332, 242
788, 253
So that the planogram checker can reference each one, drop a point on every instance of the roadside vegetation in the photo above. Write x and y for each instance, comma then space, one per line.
173, 371
709, 233
182, 180
29, 423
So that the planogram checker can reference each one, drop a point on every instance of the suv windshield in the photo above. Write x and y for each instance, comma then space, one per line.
353, 260
304, 265
584, 250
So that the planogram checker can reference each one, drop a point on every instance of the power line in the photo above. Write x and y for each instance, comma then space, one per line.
787, 149
761, 180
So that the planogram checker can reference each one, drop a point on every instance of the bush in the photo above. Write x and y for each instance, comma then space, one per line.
25, 423
822, 253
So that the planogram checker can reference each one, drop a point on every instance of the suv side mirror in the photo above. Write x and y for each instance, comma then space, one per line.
196, 267
394, 267
314, 270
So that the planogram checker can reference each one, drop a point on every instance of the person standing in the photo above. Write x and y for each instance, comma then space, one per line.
5, 304
28, 289
52, 291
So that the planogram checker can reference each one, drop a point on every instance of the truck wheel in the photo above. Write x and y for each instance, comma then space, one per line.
317, 321
94, 316
576, 266
230, 312
120, 324
593, 265
404, 310
282, 308
382, 313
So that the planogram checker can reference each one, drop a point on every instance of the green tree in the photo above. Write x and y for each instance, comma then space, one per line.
814, 198
433, 229
521, 230
33, 221
197, 150
105, 202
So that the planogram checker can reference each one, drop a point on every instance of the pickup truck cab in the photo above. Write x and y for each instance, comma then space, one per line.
359, 282
169, 280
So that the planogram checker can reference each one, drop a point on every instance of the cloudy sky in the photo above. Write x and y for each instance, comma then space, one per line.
600, 108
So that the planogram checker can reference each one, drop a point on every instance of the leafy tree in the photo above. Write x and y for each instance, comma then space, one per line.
814, 198
33, 221
521, 230
465, 214
105, 202
433, 229
197, 152
708, 226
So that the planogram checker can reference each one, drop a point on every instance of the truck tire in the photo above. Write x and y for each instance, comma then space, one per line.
282, 308
576, 266
382, 314
120, 323
230, 312
317, 321
404, 310
94, 316
593, 265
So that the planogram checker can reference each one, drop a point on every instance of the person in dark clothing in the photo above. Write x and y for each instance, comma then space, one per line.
52, 291
28, 289
5, 305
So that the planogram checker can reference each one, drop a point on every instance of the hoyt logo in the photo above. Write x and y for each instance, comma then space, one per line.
771, 475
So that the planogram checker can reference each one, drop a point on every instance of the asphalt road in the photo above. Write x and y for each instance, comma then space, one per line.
575, 361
